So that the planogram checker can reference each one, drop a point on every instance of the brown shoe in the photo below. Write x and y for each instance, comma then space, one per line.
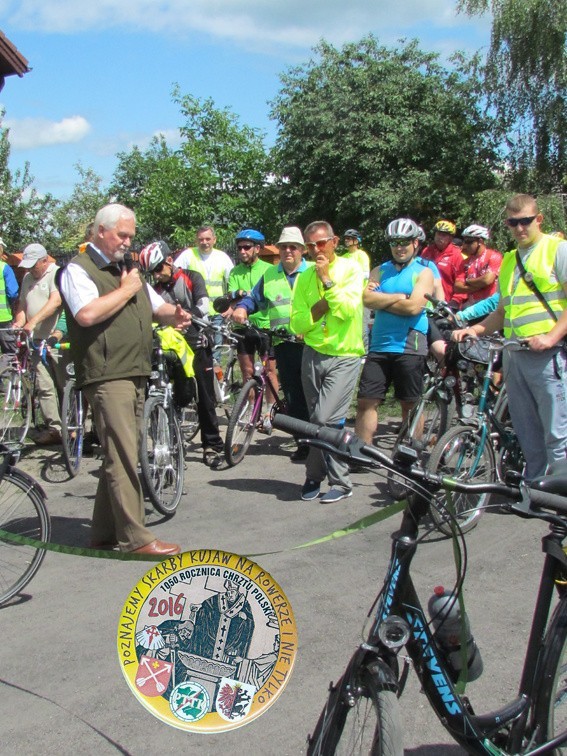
158, 547
48, 437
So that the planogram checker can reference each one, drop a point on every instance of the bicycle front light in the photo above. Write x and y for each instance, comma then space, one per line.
394, 632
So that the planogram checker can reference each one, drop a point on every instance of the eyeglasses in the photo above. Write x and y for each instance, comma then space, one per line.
291, 247
244, 246
320, 243
400, 242
514, 222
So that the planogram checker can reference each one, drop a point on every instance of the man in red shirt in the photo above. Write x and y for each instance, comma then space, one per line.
448, 258
479, 276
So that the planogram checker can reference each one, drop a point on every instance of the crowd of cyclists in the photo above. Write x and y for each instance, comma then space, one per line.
356, 328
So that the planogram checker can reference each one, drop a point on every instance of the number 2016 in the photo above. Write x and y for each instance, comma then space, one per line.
169, 606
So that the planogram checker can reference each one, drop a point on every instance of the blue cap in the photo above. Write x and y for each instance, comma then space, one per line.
251, 235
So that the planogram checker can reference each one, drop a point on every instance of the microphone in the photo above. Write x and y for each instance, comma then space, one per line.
128, 265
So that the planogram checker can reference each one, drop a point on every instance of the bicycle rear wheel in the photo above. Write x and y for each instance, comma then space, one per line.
22, 513
189, 421
231, 387
360, 719
461, 454
161, 456
72, 427
15, 407
243, 420
424, 426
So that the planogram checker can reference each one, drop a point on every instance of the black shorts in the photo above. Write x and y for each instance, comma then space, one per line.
381, 369
254, 343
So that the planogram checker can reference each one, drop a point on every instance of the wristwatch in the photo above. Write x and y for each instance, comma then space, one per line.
328, 285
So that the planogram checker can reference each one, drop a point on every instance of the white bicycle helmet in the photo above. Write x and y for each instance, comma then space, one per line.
476, 232
152, 255
402, 228
421, 234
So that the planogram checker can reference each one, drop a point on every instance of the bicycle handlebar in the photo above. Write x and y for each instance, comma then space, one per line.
346, 445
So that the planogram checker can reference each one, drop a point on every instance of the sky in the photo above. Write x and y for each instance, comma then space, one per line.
103, 72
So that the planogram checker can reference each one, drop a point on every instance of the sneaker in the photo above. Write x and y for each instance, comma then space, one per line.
48, 437
334, 494
311, 490
266, 426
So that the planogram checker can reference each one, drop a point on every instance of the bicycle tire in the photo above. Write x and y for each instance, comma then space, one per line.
189, 421
72, 427
232, 386
437, 416
162, 457
22, 512
457, 455
368, 723
242, 423
550, 705
15, 407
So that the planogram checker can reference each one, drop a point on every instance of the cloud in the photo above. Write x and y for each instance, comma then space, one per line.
29, 133
293, 23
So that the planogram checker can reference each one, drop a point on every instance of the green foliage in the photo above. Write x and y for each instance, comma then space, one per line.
71, 218
368, 133
218, 175
24, 214
526, 83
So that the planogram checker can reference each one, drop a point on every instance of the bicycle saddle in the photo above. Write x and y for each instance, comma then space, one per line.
555, 481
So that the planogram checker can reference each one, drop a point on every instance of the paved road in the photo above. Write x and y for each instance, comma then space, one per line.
61, 688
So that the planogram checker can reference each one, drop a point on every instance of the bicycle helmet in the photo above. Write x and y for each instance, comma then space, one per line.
421, 234
476, 232
251, 235
152, 255
353, 233
402, 228
446, 227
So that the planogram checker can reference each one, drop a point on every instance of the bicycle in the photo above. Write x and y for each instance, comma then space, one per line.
22, 513
449, 390
162, 445
486, 449
246, 416
362, 712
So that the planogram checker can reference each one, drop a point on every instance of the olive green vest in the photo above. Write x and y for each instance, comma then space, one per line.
119, 347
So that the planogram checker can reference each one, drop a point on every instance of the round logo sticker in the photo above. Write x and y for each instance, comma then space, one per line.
207, 640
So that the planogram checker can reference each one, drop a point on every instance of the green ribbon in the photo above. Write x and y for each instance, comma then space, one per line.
354, 527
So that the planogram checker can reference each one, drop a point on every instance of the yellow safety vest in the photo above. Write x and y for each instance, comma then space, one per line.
524, 315
173, 341
215, 284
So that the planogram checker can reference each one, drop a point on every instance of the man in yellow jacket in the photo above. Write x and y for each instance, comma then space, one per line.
327, 311
533, 308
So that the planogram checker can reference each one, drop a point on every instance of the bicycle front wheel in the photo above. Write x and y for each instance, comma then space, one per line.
424, 426
161, 456
360, 720
15, 407
243, 420
462, 454
22, 513
72, 427
189, 421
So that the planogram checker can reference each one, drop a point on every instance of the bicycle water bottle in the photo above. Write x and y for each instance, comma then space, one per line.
445, 614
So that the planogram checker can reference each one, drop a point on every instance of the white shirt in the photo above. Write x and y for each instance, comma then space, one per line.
79, 289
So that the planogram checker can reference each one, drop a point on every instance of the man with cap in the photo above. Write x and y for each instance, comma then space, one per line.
360, 257
243, 278
448, 258
479, 276
273, 294
8, 297
37, 312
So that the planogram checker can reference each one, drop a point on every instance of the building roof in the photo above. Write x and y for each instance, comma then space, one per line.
11, 60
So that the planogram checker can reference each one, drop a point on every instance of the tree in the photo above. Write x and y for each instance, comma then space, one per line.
219, 175
526, 84
367, 134
24, 214
71, 217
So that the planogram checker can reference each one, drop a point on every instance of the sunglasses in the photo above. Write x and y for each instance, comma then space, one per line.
400, 242
470, 240
158, 268
515, 222
320, 243
244, 246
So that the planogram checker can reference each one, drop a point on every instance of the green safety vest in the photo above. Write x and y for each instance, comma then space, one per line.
524, 315
173, 341
277, 293
5, 311
215, 284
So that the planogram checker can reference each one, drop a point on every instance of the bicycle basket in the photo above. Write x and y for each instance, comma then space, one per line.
477, 350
